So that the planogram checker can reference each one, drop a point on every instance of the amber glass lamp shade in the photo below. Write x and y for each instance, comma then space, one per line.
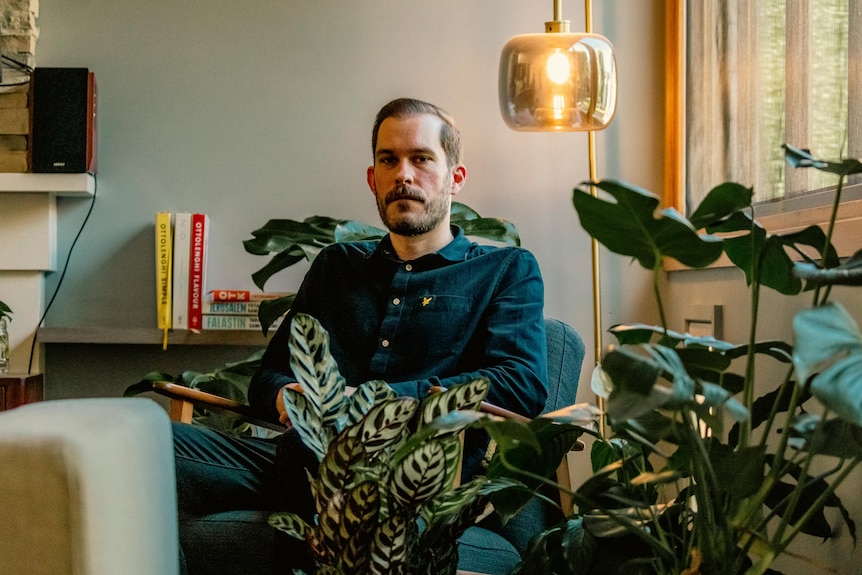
558, 82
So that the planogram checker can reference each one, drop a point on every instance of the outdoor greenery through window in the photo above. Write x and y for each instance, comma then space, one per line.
761, 74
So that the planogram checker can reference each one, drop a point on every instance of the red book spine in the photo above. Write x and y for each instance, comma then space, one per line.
224, 295
197, 270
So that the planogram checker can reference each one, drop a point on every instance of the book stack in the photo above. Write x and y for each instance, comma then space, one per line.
181, 261
236, 309
18, 35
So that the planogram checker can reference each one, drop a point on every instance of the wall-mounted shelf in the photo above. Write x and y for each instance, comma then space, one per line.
69, 185
148, 336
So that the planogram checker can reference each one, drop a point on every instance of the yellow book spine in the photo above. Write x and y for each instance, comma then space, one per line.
164, 249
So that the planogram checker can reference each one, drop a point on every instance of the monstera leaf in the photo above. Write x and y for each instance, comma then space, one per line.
628, 226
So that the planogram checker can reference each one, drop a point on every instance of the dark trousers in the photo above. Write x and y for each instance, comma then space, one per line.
217, 473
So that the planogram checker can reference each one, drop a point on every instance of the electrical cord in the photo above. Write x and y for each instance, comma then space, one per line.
63, 273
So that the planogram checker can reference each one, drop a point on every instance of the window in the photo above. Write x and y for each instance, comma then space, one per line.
747, 77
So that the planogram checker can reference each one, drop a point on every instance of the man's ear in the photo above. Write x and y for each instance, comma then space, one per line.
372, 183
459, 176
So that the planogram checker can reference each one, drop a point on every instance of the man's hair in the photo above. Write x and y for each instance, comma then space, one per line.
450, 137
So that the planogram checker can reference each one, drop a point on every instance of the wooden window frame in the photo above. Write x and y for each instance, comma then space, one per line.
793, 213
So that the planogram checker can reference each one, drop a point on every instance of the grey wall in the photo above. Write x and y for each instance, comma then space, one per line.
260, 109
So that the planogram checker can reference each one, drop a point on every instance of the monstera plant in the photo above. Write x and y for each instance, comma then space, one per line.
747, 474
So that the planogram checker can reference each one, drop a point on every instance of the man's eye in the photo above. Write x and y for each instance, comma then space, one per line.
422, 159
387, 161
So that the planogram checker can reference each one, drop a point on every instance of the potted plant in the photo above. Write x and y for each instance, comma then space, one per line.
5, 312
386, 491
749, 474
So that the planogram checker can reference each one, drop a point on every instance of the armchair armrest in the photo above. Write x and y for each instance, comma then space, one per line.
183, 399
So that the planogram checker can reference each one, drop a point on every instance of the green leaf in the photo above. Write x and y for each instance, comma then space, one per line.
385, 424
628, 227
468, 396
802, 158
828, 341
420, 475
740, 473
291, 524
721, 202
272, 309
847, 273
316, 369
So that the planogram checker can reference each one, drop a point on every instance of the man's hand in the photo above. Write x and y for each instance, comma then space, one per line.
283, 417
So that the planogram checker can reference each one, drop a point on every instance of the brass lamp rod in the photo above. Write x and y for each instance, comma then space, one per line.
594, 244
558, 24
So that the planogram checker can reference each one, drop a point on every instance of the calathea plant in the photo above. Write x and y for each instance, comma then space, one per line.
747, 474
384, 462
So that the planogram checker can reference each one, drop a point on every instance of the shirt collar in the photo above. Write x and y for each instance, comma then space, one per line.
455, 251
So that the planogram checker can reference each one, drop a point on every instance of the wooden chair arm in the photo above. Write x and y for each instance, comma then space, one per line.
183, 399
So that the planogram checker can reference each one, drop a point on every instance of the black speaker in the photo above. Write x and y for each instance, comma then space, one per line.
64, 120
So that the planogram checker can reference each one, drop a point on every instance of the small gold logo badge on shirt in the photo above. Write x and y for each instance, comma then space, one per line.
426, 301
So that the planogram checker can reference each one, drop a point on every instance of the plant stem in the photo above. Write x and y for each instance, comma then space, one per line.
829, 231
656, 276
817, 505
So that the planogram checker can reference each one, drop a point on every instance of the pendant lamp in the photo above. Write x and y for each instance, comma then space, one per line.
563, 82
558, 81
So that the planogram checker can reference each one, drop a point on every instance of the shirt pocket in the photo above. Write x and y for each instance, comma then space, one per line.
437, 325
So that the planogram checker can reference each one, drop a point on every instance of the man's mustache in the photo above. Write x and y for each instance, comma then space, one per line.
403, 193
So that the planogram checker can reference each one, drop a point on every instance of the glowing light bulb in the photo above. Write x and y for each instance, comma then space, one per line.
559, 68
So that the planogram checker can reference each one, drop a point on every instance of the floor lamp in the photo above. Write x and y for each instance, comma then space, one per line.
562, 82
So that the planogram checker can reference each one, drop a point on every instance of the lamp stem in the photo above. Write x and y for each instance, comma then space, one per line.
594, 244
558, 10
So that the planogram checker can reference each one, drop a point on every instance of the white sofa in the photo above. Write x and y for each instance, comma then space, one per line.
87, 488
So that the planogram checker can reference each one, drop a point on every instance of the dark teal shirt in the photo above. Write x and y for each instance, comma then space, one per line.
465, 311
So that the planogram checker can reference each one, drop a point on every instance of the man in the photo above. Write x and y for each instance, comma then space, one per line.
423, 307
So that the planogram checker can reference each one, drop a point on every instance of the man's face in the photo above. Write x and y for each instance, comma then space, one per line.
411, 178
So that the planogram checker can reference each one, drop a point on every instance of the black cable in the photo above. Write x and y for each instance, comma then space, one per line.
63, 274
21, 66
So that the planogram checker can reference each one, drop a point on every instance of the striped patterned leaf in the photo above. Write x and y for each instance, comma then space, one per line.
452, 450
442, 537
451, 501
306, 421
384, 424
365, 397
390, 545
358, 524
337, 468
328, 521
420, 475
468, 396
291, 524
315, 368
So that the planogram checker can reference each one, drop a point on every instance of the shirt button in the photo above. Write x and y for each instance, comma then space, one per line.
396, 301
385, 343
408, 267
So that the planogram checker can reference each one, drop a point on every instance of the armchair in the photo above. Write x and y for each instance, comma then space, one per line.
245, 541
87, 487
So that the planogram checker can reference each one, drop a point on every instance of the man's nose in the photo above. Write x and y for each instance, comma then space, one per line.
405, 173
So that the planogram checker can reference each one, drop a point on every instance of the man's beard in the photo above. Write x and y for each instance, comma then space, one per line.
436, 210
